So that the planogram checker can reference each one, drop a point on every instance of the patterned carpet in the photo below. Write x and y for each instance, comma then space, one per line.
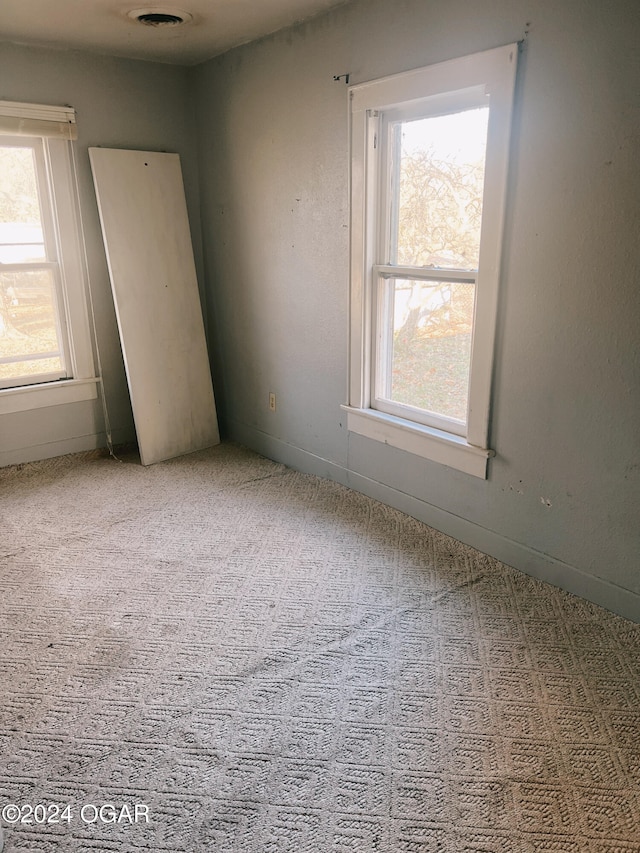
267, 661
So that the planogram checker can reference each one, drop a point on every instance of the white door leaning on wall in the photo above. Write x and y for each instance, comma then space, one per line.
145, 228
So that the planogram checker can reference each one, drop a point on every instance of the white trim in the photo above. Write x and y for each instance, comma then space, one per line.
426, 273
433, 89
65, 257
71, 259
452, 75
37, 120
424, 441
28, 397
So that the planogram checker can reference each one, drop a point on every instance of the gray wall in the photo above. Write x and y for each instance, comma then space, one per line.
562, 497
119, 104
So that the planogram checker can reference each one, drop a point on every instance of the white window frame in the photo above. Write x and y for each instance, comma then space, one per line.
50, 131
435, 89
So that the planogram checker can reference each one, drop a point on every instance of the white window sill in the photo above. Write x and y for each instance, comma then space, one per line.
29, 397
429, 443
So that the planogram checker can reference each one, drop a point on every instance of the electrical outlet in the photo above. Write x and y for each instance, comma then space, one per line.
272, 401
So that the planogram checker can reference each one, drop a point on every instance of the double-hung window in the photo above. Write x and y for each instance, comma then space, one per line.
429, 152
45, 342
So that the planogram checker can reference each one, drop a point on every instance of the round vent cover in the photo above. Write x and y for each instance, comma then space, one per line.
159, 17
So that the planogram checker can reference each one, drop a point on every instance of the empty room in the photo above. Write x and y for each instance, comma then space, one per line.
319, 443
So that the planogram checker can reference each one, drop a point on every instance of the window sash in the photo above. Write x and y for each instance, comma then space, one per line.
61, 332
44, 189
387, 126
40, 151
390, 123
382, 345
32, 378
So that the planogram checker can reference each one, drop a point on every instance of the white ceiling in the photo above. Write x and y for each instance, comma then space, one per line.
103, 26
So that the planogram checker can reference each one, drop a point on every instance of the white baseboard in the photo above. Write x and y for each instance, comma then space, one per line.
528, 560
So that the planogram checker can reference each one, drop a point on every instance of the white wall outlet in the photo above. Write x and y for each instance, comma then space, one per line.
272, 401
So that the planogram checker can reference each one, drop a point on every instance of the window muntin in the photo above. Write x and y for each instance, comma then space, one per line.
33, 333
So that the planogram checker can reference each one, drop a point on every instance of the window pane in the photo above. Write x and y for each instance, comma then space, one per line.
437, 194
431, 347
21, 235
28, 325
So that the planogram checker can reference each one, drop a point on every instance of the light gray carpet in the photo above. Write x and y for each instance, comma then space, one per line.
271, 662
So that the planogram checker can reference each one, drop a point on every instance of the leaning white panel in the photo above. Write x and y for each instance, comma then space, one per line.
148, 244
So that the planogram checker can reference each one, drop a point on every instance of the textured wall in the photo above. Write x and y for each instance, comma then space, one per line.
119, 104
562, 496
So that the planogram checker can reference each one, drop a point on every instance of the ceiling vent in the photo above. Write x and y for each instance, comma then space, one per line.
155, 17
